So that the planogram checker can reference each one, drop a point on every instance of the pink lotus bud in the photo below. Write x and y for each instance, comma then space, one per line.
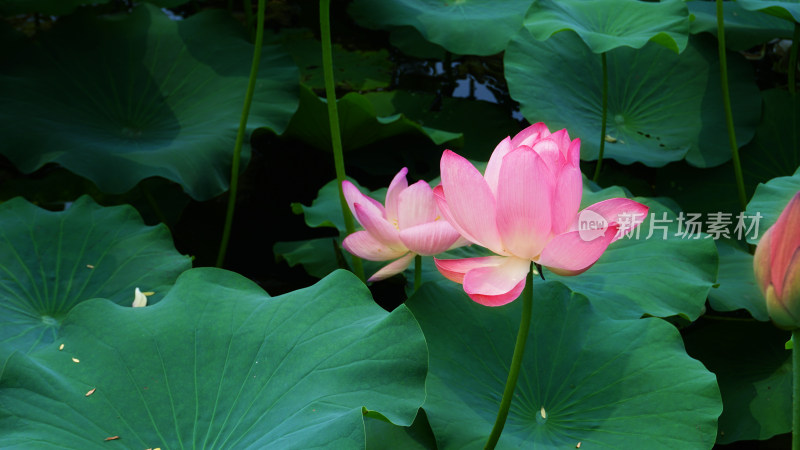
777, 267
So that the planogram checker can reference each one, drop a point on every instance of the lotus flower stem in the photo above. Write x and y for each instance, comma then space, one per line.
516, 362
604, 119
333, 118
237, 148
726, 103
796, 389
417, 272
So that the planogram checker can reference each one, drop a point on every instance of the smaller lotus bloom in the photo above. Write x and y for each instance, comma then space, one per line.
410, 224
139, 299
525, 208
777, 267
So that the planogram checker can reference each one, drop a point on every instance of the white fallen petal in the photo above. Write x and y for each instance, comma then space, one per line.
139, 299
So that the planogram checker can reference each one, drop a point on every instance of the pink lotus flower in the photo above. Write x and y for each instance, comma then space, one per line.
525, 208
777, 267
409, 225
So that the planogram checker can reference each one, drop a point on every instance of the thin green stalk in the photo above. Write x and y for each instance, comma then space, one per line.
726, 103
516, 362
417, 272
237, 148
333, 114
604, 119
796, 389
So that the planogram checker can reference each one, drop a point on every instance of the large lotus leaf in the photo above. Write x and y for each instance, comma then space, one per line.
754, 372
411, 42
120, 99
382, 435
737, 283
219, 364
607, 24
317, 256
355, 70
464, 27
472, 118
359, 123
785, 9
664, 268
158, 200
585, 378
743, 29
770, 154
52, 261
770, 200
775, 149
662, 107
699, 190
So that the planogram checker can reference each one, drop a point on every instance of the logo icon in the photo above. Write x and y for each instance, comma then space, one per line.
591, 225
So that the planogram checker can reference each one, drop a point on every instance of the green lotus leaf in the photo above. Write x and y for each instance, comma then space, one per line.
52, 261
472, 118
664, 268
383, 435
585, 378
737, 283
770, 200
411, 42
773, 152
359, 122
354, 70
317, 256
754, 372
770, 154
607, 24
682, 183
464, 27
743, 29
218, 363
122, 98
786, 9
156, 199
643, 120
